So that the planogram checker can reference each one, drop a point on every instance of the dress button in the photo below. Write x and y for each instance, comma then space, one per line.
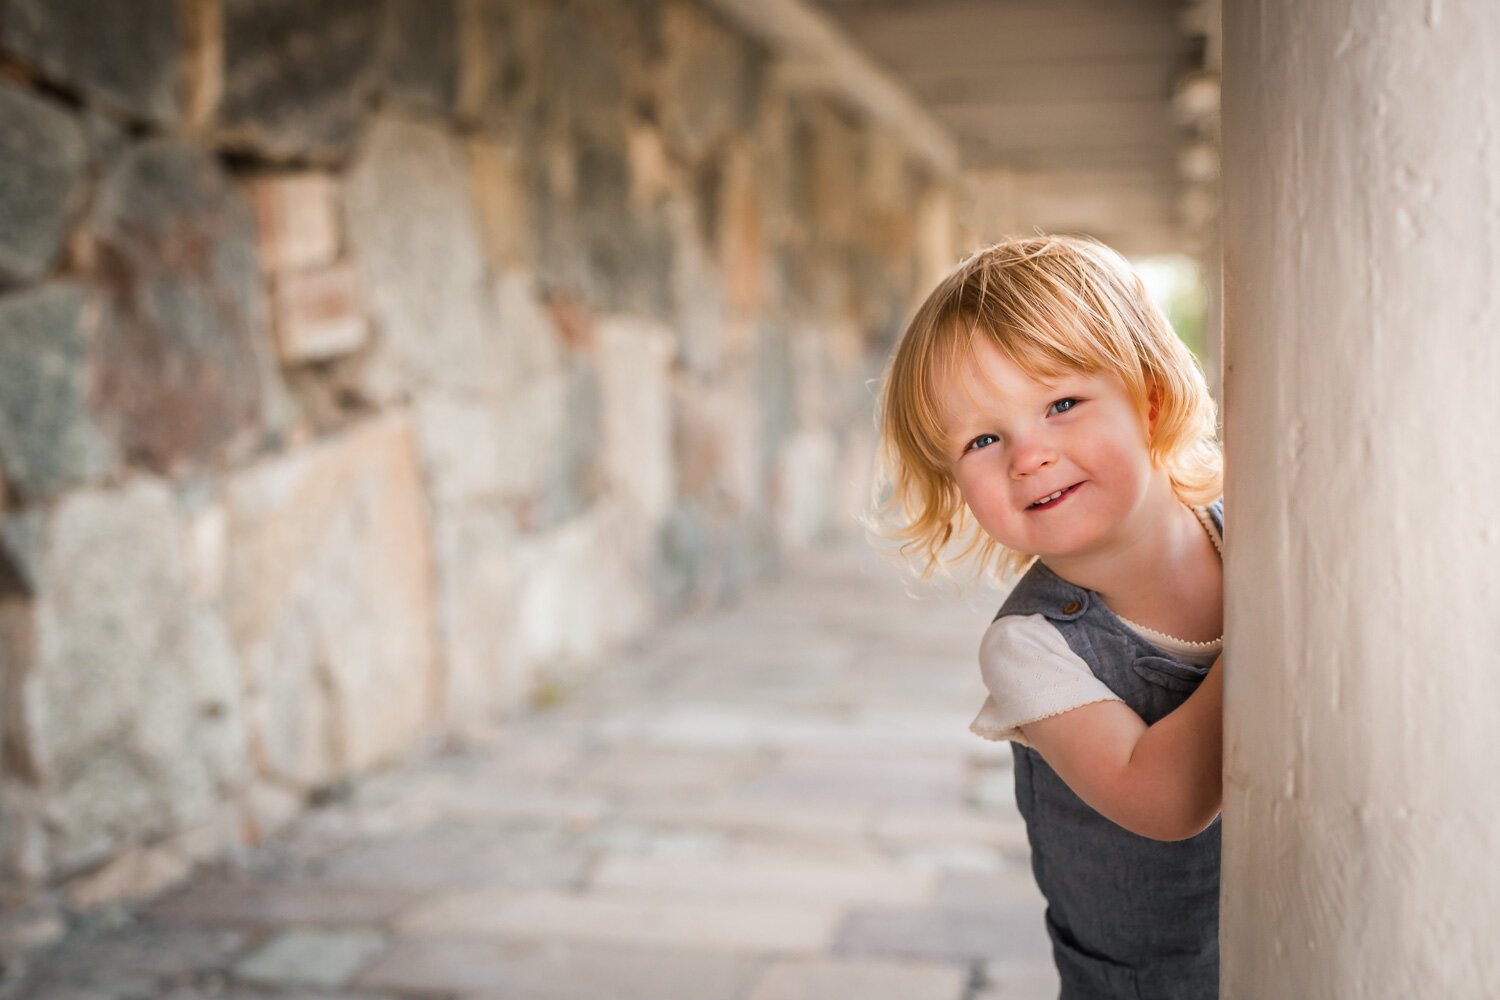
1071, 607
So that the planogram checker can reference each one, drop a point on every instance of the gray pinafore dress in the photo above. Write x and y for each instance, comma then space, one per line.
1129, 917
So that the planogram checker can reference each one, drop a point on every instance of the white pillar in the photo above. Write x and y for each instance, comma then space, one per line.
1362, 354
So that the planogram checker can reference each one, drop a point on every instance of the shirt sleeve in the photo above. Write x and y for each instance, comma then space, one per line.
1031, 674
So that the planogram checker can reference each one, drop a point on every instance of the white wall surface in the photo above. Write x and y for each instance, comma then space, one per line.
1362, 354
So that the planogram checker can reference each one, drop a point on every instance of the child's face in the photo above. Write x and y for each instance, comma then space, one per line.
1058, 469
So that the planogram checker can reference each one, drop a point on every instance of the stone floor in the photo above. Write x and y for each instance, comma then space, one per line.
778, 801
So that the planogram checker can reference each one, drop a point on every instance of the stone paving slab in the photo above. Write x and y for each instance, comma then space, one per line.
765, 879
487, 969
630, 918
822, 979
774, 801
246, 903
933, 933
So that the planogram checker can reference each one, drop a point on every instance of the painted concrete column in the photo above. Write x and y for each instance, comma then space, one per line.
1362, 304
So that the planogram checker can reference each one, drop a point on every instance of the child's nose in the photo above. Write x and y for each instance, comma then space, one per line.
1030, 456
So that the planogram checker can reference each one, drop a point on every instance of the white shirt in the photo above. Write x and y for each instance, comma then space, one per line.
1032, 674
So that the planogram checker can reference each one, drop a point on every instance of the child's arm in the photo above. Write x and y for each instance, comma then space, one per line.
1162, 781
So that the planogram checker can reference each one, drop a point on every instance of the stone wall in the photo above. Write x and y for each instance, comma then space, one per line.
367, 366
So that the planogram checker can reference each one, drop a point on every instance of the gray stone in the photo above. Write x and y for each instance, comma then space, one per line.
133, 704
567, 69
107, 139
21, 551
593, 244
500, 64
585, 53
327, 959
682, 554
711, 81
186, 375
43, 157
415, 240
776, 391
298, 75
422, 67
48, 438
575, 481
105, 956
77, 43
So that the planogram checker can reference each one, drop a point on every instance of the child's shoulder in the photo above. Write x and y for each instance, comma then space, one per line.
1041, 591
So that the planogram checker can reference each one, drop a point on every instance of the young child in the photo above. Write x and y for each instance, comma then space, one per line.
1039, 412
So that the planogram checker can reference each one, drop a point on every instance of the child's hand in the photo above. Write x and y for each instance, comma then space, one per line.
1163, 781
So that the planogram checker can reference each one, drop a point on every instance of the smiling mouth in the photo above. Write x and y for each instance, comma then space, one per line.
1053, 499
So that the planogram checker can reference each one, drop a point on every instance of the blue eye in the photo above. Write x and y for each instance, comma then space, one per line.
1063, 405
981, 441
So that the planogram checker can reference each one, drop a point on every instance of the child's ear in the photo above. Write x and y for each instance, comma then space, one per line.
1153, 399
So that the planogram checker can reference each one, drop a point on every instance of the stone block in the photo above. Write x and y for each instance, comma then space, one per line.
326, 959
832, 146
298, 75
21, 541
591, 242
804, 489
131, 875
587, 65
742, 232
49, 440
268, 808
500, 176
711, 79
318, 314
868, 979
635, 365
133, 704
500, 63
43, 158
698, 294
583, 593
330, 602
476, 587
479, 449
414, 237
186, 373
297, 219
76, 43
422, 63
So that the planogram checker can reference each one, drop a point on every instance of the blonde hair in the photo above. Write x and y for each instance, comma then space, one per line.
1052, 305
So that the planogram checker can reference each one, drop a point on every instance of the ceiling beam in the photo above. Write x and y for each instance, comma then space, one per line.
817, 52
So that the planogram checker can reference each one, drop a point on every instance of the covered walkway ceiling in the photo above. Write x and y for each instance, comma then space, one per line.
1096, 116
